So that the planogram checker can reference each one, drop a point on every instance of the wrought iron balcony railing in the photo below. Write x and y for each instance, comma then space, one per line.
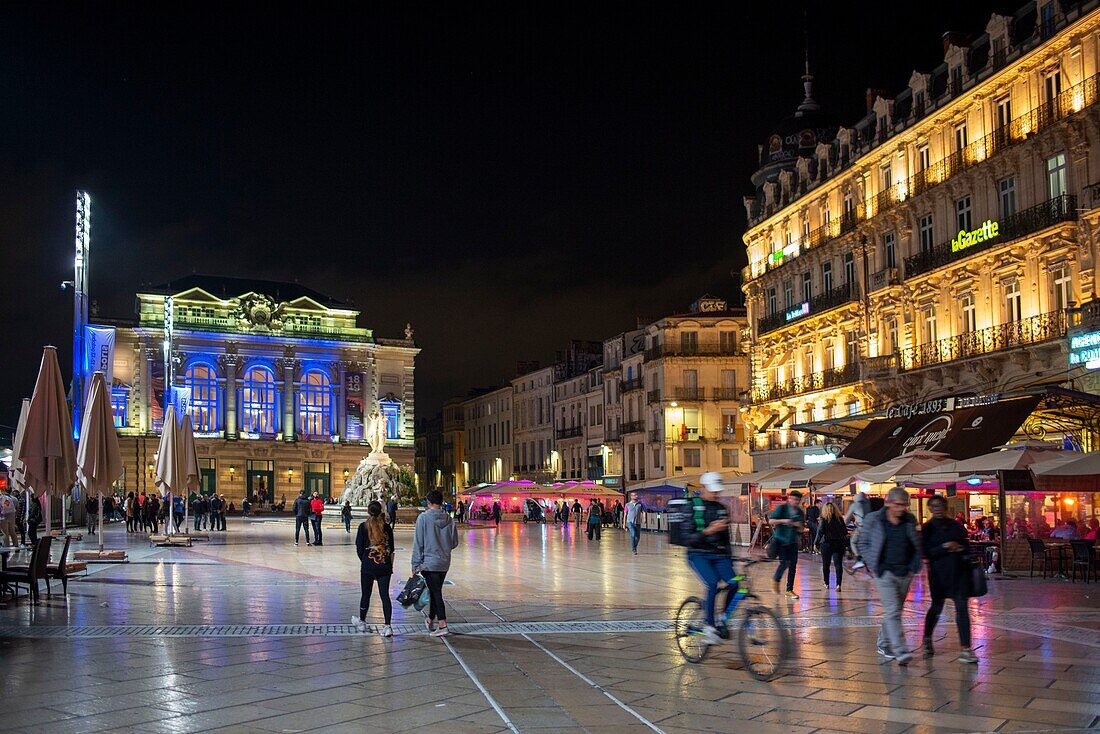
626, 386
829, 300
1033, 330
688, 393
633, 427
653, 396
823, 380
692, 350
726, 393
1021, 224
572, 432
654, 436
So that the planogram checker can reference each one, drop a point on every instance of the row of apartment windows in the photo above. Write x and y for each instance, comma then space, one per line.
489, 436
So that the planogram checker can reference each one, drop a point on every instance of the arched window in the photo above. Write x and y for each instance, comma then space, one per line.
203, 381
315, 404
391, 411
258, 401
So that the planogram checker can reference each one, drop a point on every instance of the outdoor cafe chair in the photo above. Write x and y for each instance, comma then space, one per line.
1040, 551
61, 569
1083, 558
30, 574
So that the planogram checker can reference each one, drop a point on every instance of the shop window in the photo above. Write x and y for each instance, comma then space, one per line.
203, 381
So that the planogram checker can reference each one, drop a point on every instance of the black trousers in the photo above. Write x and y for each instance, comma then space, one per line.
832, 551
367, 580
962, 616
299, 523
434, 580
788, 561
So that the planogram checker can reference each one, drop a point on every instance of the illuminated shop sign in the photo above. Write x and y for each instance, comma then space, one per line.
818, 458
989, 230
776, 258
1085, 349
798, 311
941, 405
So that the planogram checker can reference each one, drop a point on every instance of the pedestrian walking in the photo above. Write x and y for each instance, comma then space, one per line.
9, 512
222, 514
577, 512
129, 510
594, 524
831, 540
787, 522
302, 514
91, 511
889, 546
813, 518
317, 506
345, 515
177, 512
633, 515
374, 546
391, 510
619, 512
496, 513
33, 519
859, 509
433, 540
947, 549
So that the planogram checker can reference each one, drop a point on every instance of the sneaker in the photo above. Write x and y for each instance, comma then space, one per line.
387, 631
711, 636
307, 543
441, 632
792, 595
904, 659
359, 624
968, 656
635, 551
430, 624
886, 654
926, 647
858, 565
838, 588
295, 545
825, 585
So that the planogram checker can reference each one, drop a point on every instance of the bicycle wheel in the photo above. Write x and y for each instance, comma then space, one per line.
690, 620
763, 643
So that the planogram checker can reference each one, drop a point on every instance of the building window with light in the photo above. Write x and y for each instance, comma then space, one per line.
120, 399
203, 381
1063, 287
1013, 302
888, 250
924, 228
930, 325
962, 214
969, 314
258, 410
391, 411
1006, 189
1056, 176
315, 404
772, 304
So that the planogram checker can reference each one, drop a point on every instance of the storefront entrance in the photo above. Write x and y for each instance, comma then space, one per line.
317, 479
208, 476
260, 482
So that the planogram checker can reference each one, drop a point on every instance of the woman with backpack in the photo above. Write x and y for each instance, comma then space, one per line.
594, 524
374, 546
832, 542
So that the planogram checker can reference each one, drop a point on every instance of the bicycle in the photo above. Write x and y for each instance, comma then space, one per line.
763, 641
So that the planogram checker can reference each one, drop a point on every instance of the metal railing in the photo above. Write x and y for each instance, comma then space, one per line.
823, 380
613, 435
726, 393
1033, 330
653, 396
573, 432
1021, 224
626, 386
1069, 102
825, 301
772, 441
654, 436
691, 350
633, 427
687, 393
882, 279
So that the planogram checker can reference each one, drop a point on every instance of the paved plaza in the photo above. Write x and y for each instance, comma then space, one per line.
247, 633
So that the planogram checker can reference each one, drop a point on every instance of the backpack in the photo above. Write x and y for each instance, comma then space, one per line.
685, 517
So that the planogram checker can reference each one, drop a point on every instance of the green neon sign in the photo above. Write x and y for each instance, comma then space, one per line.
989, 230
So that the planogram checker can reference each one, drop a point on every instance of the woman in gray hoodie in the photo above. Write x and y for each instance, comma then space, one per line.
433, 540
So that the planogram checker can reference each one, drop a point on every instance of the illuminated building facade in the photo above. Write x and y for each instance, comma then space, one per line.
944, 244
441, 450
488, 435
532, 401
279, 381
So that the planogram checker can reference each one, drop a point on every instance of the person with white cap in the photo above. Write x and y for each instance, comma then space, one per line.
706, 530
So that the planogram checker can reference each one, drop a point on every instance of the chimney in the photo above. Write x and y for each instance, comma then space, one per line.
954, 38
873, 94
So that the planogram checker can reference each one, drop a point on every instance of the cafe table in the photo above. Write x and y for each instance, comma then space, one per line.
1060, 553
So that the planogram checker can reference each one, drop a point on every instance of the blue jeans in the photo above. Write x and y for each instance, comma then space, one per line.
635, 531
316, 519
713, 568
299, 523
347, 524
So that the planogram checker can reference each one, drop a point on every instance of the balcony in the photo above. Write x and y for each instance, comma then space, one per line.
613, 435
653, 396
692, 350
773, 441
816, 305
654, 436
633, 427
626, 386
1069, 102
726, 393
688, 393
1021, 224
883, 279
1034, 330
823, 380
573, 432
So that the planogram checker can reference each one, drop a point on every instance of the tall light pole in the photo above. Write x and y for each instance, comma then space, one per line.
80, 300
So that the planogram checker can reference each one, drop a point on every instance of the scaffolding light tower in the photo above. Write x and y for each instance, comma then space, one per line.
80, 300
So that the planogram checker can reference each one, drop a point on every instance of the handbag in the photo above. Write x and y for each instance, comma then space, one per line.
979, 585
423, 600
771, 550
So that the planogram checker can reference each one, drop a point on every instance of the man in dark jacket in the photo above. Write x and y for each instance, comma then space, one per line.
889, 545
708, 540
946, 547
813, 517
302, 514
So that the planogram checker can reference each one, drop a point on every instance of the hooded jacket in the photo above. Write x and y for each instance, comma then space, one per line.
433, 540
872, 541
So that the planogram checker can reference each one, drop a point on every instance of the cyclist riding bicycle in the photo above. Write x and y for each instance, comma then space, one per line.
707, 535
853, 518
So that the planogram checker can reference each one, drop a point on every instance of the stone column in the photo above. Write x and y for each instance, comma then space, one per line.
229, 364
341, 407
288, 364
147, 357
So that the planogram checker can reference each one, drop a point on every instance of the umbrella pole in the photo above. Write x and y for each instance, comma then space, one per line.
1002, 515
27, 515
100, 522
49, 511
64, 532
168, 530
186, 511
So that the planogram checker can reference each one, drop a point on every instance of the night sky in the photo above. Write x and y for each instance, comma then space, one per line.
505, 178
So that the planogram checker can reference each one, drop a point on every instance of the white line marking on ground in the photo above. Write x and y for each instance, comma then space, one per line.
492, 701
582, 676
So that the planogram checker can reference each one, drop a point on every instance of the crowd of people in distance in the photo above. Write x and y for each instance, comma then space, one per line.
1065, 529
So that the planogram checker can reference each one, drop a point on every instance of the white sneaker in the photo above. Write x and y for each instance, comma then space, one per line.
859, 565
710, 636
359, 624
387, 631
430, 624
441, 632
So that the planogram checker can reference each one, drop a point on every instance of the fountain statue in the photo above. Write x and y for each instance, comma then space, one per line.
376, 476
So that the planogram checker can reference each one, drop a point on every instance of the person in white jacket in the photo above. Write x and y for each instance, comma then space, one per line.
433, 540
